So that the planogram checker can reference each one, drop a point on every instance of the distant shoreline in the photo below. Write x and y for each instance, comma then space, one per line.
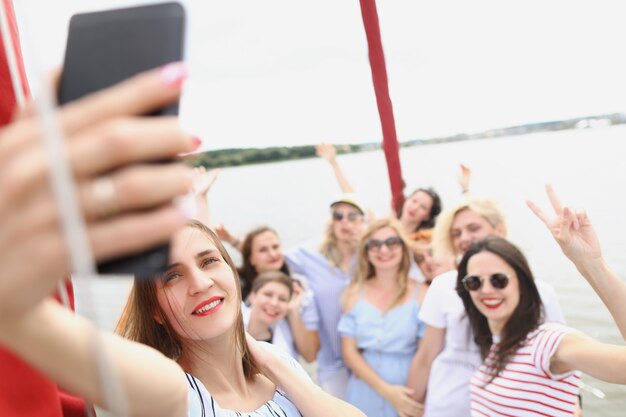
248, 156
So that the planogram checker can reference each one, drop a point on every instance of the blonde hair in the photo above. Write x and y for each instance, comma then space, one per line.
365, 270
488, 209
138, 320
328, 248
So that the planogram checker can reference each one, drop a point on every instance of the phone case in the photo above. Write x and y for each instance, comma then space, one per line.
106, 47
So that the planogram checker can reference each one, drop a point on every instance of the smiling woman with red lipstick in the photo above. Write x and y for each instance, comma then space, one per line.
531, 368
192, 314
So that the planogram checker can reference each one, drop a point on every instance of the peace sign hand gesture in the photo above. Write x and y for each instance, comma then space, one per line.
571, 229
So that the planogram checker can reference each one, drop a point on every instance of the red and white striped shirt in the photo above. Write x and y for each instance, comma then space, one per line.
526, 387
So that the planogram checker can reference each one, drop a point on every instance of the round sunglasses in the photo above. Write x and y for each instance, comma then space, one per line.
375, 245
498, 281
352, 216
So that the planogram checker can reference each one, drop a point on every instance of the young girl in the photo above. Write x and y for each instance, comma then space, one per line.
379, 328
269, 301
192, 314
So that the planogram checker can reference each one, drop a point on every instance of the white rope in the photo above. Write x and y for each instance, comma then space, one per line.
74, 229
73, 225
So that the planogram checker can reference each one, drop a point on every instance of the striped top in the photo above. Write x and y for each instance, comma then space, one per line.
526, 387
202, 404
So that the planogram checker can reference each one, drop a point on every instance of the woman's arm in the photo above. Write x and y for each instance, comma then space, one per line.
307, 341
329, 153
203, 180
310, 399
464, 176
399, 396
127, 204
430, 346
600, 360
226, 236
577, 238
60, 344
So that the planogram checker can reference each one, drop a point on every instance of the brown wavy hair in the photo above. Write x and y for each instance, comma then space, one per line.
273, 276
365, 270
247, 271
526, 317
138, 322
435, 209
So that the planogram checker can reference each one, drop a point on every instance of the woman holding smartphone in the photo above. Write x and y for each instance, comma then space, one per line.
192, 314
34, 252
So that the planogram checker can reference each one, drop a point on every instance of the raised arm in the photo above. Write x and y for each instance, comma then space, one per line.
464, 177
329, 153
577, 238
600, 360
203, 180
127, 205
225, 235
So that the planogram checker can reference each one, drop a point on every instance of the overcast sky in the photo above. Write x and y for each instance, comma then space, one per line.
285, 72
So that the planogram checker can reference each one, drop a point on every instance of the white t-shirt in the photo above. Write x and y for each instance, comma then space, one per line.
450, 373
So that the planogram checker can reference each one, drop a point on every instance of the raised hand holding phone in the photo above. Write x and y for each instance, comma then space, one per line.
107, 47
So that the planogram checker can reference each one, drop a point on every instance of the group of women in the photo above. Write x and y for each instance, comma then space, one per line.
398, 325
396, 343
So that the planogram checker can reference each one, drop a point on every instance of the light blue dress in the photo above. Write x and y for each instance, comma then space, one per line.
388, 343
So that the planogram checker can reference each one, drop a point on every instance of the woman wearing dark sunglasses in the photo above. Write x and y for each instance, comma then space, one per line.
379, 328
329, 268
447, 355
531, 368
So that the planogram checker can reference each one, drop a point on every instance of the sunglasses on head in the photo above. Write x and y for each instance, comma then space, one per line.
498, 281
351, 216
375, 244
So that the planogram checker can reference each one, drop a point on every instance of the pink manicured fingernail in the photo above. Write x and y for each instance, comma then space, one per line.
196, 142
174, 73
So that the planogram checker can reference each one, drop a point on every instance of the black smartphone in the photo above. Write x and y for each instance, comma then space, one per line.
106, 47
